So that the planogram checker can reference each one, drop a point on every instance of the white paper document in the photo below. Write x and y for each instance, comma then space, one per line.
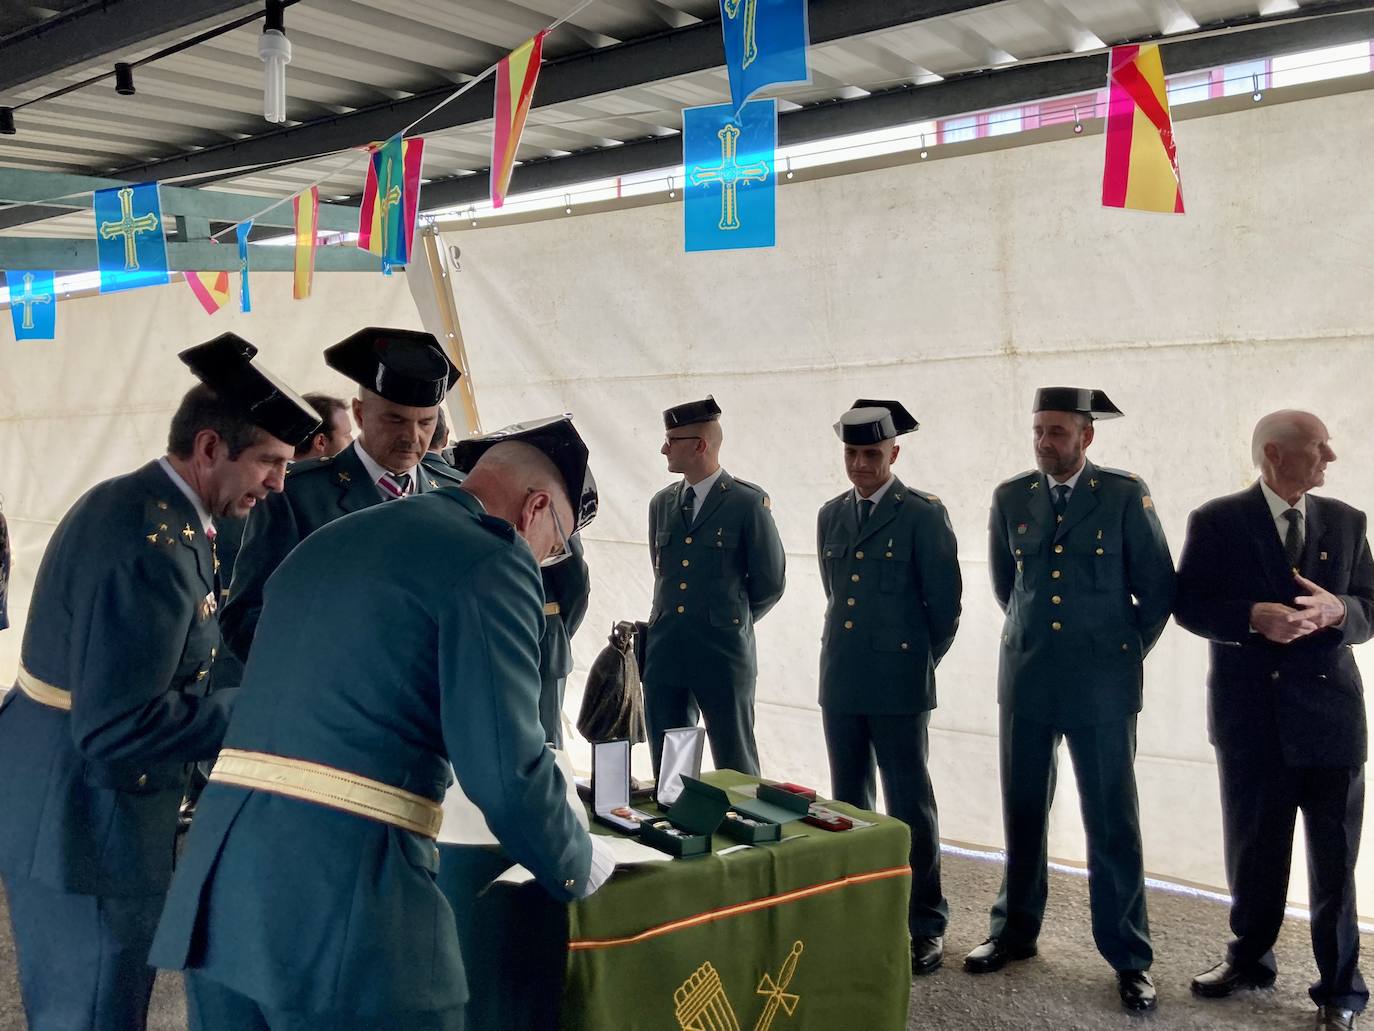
627, 852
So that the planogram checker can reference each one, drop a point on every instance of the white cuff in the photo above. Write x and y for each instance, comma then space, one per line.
603, 865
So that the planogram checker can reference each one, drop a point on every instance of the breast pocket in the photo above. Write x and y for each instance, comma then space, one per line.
895, 563
1026, 552
1106, 562
724, 550
202, 643
662, 539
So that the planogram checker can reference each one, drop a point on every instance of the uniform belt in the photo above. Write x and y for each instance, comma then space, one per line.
327, 786
42, 692
552, 608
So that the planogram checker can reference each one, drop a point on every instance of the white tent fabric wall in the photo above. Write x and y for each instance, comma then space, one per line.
958, 286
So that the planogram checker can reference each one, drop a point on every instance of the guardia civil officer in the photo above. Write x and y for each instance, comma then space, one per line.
718, 568
1080, 565
890, 569
306, 896
402, 375
106, 713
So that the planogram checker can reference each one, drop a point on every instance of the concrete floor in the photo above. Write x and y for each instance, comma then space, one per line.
1066, 987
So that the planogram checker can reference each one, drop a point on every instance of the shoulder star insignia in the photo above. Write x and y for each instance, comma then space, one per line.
188, 533
151, 538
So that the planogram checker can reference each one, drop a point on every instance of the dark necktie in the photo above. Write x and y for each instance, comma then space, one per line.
1061, 500
1292, 540
689, 504
866, 506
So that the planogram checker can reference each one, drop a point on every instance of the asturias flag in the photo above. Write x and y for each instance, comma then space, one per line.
129, 243
245, 298
516, 74
1141, 168
728, 199
33, 305
391, 198
765, 45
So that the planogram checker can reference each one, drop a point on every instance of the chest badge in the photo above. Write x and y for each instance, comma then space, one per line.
1021, 528
1322, 556
208, 605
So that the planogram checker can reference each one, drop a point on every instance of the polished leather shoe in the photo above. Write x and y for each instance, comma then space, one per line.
1136, 989
1333, 1018
927, 953
1227, 977
994, 954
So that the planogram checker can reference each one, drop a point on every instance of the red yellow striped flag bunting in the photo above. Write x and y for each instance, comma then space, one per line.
211, 289
1141, 167
516, 74
307, 210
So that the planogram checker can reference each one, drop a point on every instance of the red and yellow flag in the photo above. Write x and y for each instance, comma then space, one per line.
307, 209
211, 289
1141, 169
516, 74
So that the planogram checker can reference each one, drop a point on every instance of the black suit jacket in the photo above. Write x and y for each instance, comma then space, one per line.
1305, 698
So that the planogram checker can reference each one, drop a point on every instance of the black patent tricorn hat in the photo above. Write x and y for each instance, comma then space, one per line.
405, 366
225, 365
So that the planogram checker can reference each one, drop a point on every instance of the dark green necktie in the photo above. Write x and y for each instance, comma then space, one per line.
866, 506
1292, 540
1061, 499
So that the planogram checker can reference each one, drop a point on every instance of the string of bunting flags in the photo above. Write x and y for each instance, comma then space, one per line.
729, 156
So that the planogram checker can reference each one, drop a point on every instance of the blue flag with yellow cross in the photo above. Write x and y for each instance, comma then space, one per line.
129, 243
765, 44
33, 304
729, 189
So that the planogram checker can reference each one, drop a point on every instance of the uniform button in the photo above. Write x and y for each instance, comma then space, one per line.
889, 554
904, 646
143, 780
849, 624
686, 563
682, 608
736, 622
1100, 551
162, 506
858, 554
1124, 648
1274, 675
687, 540
214, 652
1059, 549
569, 884
1056, 599
1018, 552
854, 578
1056, 625
1054, 575
682, 586
850, 602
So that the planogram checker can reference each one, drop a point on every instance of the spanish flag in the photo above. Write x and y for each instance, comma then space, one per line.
211, 289
307, 209
516, 74
386, 219
1141, 169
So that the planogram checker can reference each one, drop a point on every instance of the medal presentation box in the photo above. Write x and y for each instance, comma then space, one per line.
695, 816
683, 748
611, 787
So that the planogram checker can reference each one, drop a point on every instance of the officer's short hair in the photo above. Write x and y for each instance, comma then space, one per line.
203, 409
440, 435
326, 406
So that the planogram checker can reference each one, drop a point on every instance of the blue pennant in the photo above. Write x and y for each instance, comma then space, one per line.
729, 193
129, 240
245, 298
765, 44
33, 305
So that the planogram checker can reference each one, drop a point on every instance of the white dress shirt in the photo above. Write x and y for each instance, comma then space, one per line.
377, 472
206, 523
701, 489
1278, 506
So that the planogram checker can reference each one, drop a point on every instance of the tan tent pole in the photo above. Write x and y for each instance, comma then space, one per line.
453, 331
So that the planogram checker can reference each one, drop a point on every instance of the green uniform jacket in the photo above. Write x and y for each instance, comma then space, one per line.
1085, 599
892, 607
121, 617
318, 491
569, 586
712, 582
417, 651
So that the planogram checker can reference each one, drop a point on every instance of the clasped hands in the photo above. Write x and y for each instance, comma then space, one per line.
1310, 612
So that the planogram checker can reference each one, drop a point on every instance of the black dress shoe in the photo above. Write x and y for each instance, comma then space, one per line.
927, 953
1227, 977
1333, 1018
994, 954
1137, 990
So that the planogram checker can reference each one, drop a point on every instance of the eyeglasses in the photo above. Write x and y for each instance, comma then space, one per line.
564, 547
671, 440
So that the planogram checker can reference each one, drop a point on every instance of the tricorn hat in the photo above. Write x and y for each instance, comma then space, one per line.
402, 365
692, 412
1083, 400
225, 365
869, 422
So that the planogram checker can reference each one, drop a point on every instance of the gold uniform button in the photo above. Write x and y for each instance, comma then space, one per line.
143, 780
854, 578
682, 586
687, 540
162, 506
1018, 552
858, 554
1059, 549
686, 562
569, 884
214, 652
889, 554
849, 624
1056, 599
850, 602
1054, 575
736, 622
904, 646
1056, 625
1274, 675
1124, 648
682, 608
1100, 551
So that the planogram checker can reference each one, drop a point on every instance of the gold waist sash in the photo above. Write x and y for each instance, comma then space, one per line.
327, 786
42, 692
551, 608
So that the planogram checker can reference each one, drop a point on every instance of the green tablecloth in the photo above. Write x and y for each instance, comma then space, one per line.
801, 935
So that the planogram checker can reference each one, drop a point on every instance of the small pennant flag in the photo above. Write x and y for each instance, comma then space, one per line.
1141, 168
245, 298
130, 247
516, 74
33, 305
729, 195
211, 289
307, 208
391, 198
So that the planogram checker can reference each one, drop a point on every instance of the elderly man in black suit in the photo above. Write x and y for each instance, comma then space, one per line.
1282, 584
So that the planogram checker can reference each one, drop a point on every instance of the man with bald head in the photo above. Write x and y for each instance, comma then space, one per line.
1281, 582
718, 568
306, 895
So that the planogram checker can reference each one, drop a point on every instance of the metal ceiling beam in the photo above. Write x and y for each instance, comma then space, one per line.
1024, 83
80, 256
635, 63
101, 28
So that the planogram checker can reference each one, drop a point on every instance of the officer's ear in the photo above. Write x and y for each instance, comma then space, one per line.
1088, 433
896, 450
207, 446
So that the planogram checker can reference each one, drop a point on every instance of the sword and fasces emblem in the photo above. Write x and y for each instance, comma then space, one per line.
730, 174
701, 1004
